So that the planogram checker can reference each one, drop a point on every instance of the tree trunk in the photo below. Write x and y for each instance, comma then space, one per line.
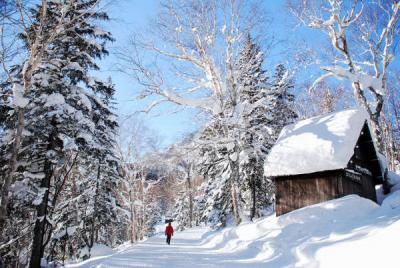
28, 69
132, 222
375, 124
92, 228
234, 185
41, 210
377, 131
65, 248
390, 145
373, 116
253, 198
235, 203
190, 194
13, 168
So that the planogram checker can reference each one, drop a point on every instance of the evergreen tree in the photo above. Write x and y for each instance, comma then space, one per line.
256, 103
283, 101
66, 111
252, 121
214, 206
181, 208
267, 108
104, 182
183, 157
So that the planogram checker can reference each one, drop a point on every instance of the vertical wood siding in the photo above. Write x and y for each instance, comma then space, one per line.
300, 192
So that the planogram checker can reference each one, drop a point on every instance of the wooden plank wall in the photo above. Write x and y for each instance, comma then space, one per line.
293, 193
350, 187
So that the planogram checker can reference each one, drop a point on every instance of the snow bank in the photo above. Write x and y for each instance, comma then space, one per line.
346, 232
392, 201
342, 209
320, 235
98, 250
393, 178
316, 144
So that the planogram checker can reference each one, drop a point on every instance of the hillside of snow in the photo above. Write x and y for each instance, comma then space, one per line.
346, 232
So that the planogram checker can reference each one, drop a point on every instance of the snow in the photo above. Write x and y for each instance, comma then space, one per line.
392, 201
382, 162
100, 32
18, 99
100, 250
205, 103
316, 144
366, 81
233, 157
97, 252
70, 231
346, 232
95, 44
394, 181
75, 66
86, 136
54, 99
230, 146
39, 198
223, 29
33, 175
68, 143
85, 101
393, 178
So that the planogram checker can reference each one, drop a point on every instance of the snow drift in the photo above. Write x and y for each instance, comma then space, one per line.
346, 232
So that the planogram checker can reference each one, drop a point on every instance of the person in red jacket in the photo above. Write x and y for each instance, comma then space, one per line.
169, 231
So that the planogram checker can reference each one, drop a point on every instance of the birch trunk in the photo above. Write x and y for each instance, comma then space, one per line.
190, 194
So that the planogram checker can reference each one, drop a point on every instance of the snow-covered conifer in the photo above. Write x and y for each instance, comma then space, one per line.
256, 111
66, 110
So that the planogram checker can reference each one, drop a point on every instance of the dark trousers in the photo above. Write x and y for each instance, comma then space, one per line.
168, 239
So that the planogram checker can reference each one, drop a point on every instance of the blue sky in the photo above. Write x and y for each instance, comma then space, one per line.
169, 121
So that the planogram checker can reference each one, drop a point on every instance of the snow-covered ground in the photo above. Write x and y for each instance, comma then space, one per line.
346, 232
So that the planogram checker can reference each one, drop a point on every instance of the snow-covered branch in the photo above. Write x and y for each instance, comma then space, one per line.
347, 24
200, 48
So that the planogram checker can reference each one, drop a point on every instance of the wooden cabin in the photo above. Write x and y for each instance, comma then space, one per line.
323, 158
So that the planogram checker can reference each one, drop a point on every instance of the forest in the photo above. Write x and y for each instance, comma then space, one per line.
76, 172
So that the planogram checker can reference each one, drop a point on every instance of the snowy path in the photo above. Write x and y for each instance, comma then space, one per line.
346, 232
186, 250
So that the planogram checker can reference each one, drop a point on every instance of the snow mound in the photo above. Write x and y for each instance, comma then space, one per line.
316, 144
394, 179
347, 232
332, 211
98, 250
392, 201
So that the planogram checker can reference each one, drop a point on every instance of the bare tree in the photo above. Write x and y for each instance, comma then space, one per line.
130, 146
137, 150
194, 45
321, 99
364, 34
182, 155
391, 123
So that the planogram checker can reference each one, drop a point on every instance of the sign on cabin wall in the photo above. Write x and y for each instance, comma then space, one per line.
362, 170
352, 175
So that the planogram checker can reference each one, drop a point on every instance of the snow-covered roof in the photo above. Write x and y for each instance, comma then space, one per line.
316, 144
